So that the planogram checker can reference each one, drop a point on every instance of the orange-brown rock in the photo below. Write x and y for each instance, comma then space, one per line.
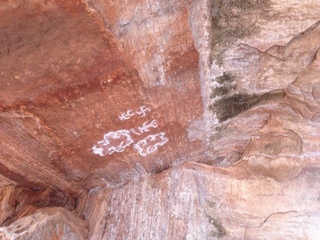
159, 119
17, 202
58, 102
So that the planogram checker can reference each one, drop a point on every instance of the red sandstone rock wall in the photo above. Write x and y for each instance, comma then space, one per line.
66, 83
159, 119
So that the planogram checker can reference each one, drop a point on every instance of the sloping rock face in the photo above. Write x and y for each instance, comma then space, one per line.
47, 223
159, 119
75, 107
197, 201
17, 202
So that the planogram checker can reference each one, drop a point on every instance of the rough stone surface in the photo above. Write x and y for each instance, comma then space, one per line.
197, 201
159, 119
47, 223
66, 81
17, 202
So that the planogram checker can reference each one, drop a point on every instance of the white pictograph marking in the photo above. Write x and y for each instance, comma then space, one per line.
146, 126
134, 132
130, 113
143, 111
118, 141
113, 142
151, 143
126, 115
98, 149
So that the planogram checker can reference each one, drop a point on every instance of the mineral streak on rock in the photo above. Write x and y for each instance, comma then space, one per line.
195, 119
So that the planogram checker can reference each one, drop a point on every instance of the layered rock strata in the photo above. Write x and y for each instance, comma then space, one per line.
47, 223
159, 119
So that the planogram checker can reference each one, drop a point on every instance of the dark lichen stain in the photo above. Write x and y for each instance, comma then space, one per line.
220, 231
232, 20
221, 91
232, 105
225, 78
227, 84
211, 204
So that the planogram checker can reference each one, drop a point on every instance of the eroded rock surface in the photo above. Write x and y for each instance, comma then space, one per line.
58, 103
47, 223
159, 119
17, 202
204, 202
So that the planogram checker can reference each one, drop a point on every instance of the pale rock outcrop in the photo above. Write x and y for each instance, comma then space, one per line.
196, 201
47, 223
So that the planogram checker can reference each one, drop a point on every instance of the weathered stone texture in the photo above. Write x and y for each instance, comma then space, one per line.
47, 223
66, 80
159, 119
203, 202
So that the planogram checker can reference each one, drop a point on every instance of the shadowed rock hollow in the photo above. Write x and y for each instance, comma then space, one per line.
159, 119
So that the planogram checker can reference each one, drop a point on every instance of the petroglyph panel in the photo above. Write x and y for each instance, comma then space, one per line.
151, 143
142, 112
118, 141
113, 142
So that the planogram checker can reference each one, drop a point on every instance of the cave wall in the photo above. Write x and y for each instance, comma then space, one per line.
159, 119
58, 103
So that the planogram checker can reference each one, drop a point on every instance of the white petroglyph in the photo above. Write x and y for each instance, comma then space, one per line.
134, 132
113, 142
143, 111
151, 143
146, 126
130, 113
126, 115
98, 150
118, 141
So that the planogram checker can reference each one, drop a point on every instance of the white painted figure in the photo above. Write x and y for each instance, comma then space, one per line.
130, 113
143, 111
150, 143
98, 149
113, 142
134, 132
118, 141
126, 115
146, 126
